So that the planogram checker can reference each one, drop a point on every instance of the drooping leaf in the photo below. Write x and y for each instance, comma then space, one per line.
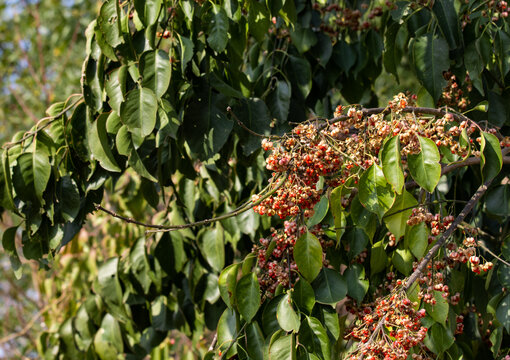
254, 341
392, 165
335, 204
115, 87
99, 145
390, 56
279, 101
378, 258
448, 21
320, 210
109, 23
396, 218
156, 70
357, 284
417, 239
138, 112
375, 193
491, 160
287, 317
258, 20
148, 11
308, 255
282, 347
403, 261
424, 166
315, 338
227, 283
227, 333
439, 311
330, 287
248, 296
108, 339
218, 29
430, 58
126, 147
439, 338
31, 175
212, 245
69, 197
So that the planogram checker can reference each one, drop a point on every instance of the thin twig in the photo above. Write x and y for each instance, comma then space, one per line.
241, 124
490, 252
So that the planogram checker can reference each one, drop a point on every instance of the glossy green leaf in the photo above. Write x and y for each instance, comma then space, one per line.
287, 317
378, 258
391, 163
417, 239
138, 112
302, 73
9, 246
227, 283
403, 261
126, 147
335, 204
303, 38
282, 347
363, 218
248, 296
156, 70
424, 166
439, 338
491, 160
448, 21
439, 311
254, 341
108, 339
429, 56
357, 241
390, 55
496, 339
396, 218
212, 245
92, 84
6, 196
115, 87
109, 23
279, 101
217, 36
186, 50
308, 255
69, 197
148, 10
107, 285
320, 211
227, 333
100, 146
304, 296
269, 321
258, 20
357, 285
344, 55
375, 193
315, 338
31, 175
330, 287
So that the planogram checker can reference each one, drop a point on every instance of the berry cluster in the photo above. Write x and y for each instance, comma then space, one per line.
336, 18
496, 10
276, 256
388, 329
467, 252
452, 95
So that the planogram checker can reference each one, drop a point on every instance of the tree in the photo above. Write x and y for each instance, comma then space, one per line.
379, 233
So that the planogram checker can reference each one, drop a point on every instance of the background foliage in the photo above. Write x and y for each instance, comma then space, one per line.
151, 139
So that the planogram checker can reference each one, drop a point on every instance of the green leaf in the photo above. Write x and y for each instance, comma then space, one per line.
258, 20
9, 245
140, 264
496, 338
344, 55
218, 29
138, 112
491, 160
279, 101
227, 283
357, 285
391, 164
439, 338
286, 316
212, 245
107, 285
255, 115
282, 347
108, 339
315, 338
303, 296
357, 240
320, 211
474, 65
301, 74
31, 175
248, 296
269, 321
378, 258
109, 23
335, 204
148, 11
227, 333
115, 87
254, 341
430, 58
448, 21
186, 51
125, 147
303, 38
417, 239
363, 218
424, 166
308, 255
390, 54
99, 145
92, 84
397, 216
69, 198
330, 287
156, 70
6, 196
375, 193
439, 311
403, 261
503, 312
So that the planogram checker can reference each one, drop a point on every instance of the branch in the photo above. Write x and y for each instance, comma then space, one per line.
241, 124
51, 119
467, 209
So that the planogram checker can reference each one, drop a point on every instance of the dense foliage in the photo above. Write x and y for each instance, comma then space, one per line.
239, 207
